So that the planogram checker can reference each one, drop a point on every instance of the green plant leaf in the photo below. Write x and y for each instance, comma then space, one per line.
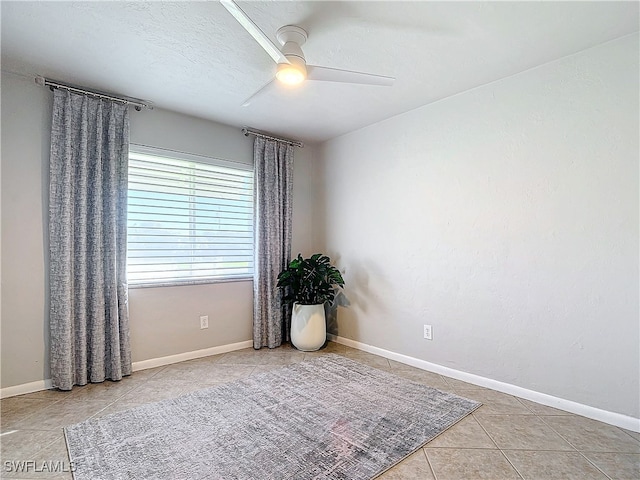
310, 281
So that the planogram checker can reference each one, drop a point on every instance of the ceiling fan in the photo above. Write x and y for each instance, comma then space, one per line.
292, 67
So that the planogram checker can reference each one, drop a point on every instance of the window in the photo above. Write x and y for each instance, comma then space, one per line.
190, 218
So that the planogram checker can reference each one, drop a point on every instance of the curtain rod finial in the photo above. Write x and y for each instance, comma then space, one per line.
40, 80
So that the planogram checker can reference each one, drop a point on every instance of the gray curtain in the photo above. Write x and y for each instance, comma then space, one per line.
273, 164
88, 315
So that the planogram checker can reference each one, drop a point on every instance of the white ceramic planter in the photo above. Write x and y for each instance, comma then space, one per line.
308, 327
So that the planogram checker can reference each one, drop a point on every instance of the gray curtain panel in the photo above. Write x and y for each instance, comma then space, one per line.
88, 315
273, 164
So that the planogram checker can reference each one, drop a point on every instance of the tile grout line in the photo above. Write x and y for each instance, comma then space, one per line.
505, 455
146, 381
511, 463
523, 404
431, 469
36, 411
473, 414
596, 466
576, 448
28, 417
546, 450
118, 398
63, 401
539, 417
496, 444
47, 445
627, 433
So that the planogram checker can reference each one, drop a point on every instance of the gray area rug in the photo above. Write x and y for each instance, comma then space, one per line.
329, 418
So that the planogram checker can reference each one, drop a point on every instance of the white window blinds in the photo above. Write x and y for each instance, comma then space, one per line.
190, 218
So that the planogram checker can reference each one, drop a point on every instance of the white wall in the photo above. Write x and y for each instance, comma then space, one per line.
507, 218
25, 112
164, 321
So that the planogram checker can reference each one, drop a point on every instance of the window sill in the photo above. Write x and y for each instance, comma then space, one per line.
189, 283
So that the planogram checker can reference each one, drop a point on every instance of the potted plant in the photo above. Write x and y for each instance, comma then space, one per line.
309, 283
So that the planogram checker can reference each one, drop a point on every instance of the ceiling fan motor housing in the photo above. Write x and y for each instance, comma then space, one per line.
291, 37
291, 33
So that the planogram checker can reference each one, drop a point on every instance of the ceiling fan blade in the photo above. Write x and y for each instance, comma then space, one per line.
257, 34
264, 88
326, 74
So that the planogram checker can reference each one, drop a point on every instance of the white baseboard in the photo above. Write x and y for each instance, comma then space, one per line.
612, 418
181, 357
141, 365
25, 388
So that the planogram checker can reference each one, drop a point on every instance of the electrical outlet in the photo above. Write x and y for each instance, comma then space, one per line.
428, 333
204, 321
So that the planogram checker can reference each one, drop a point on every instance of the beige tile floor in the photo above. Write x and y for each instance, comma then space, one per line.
506, 438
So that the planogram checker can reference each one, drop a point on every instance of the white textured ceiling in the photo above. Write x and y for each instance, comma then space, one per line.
193, 57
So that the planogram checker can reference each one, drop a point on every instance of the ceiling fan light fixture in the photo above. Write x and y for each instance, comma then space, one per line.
289, 74
293, 73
